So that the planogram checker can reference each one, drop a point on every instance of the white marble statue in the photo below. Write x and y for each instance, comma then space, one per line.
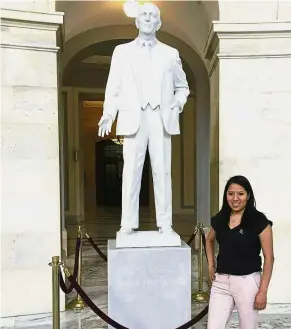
148, 88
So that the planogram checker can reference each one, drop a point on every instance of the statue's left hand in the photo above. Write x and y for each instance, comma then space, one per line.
177, 106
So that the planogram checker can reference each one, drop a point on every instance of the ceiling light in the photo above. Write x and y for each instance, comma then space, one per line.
130, 8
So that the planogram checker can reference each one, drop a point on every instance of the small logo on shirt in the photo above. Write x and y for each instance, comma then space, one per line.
241, 231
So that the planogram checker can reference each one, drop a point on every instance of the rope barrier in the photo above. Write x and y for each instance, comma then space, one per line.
192, 237
86, 299
93, 307
104, 257
94, 245
65, 289
197, 318
109, 320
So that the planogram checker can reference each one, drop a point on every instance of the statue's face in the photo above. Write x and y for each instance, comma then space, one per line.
148, 19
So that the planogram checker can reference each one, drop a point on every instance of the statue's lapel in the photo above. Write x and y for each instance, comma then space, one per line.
158, 63
135, 63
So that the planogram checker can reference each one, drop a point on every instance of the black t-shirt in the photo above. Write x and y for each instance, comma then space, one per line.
240, 247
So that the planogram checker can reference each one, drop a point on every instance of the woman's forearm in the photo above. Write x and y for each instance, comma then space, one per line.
267, 274
210, 253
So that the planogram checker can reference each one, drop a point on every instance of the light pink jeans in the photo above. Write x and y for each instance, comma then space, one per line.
228, 291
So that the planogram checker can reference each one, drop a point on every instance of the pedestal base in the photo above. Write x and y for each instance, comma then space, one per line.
149, 288
142, 239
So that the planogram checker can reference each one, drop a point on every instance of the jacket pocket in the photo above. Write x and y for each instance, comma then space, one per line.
173, 105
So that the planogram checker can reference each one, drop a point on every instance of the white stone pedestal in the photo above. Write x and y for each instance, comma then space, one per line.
147, 239
149, 288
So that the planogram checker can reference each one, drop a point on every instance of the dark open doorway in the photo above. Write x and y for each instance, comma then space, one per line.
108, 173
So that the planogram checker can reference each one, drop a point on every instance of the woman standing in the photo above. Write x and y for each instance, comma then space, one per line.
241, 232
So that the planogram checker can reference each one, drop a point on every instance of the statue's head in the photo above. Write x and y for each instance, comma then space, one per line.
148, 19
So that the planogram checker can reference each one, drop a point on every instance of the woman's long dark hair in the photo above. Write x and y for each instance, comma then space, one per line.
251, 203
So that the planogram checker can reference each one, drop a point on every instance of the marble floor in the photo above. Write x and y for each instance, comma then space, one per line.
94, 282
85, 319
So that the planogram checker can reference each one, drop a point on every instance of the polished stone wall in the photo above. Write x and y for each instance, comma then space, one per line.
30, 221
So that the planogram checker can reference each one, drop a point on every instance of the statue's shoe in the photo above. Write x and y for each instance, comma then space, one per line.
166, 229
126, 230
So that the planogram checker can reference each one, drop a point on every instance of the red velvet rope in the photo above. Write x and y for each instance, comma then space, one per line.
93, 307
112, 322
94, 245
191, 237
65, 289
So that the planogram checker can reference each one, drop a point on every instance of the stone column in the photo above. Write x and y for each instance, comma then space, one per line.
31, 226
255, 126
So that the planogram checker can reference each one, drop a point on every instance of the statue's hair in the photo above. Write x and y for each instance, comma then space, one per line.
148, 3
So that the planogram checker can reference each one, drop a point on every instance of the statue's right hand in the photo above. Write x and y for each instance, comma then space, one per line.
105, 125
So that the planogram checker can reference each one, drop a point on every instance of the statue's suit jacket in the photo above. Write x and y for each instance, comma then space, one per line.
122, 93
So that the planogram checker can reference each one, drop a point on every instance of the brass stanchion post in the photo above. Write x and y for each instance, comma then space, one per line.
77, 303
55, 264
200, 296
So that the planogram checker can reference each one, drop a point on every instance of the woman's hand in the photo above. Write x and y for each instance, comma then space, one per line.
260, 300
